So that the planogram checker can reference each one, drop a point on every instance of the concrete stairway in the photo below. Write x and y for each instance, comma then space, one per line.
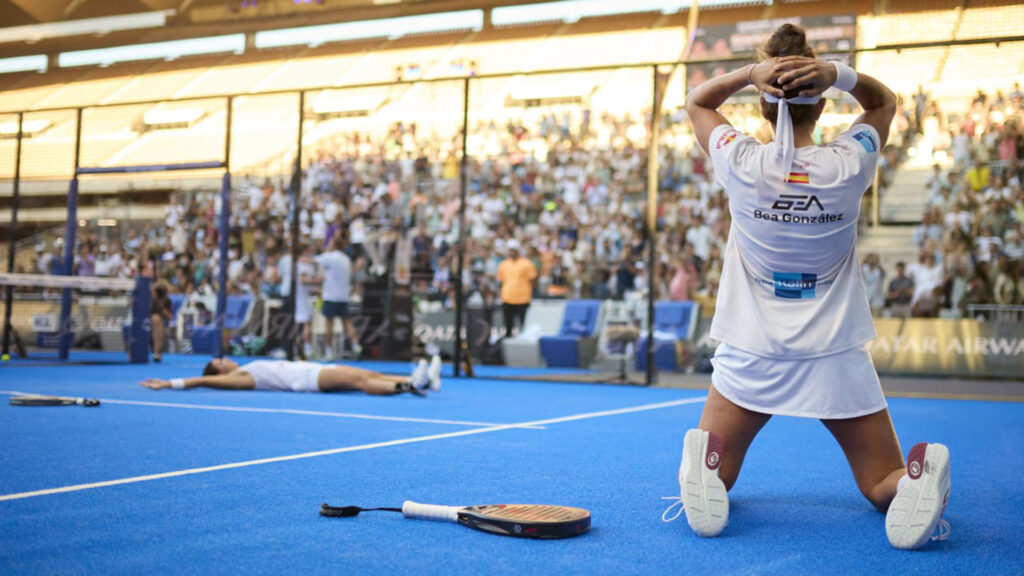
905, 198
892, 243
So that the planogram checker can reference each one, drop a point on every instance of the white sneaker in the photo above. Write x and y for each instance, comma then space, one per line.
705, 499
329, 353
419, 379
916, 512
434, 373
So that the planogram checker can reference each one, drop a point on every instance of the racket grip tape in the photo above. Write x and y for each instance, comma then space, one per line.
412, 509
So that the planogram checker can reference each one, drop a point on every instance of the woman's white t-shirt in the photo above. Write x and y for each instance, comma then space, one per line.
791, 285
284, 375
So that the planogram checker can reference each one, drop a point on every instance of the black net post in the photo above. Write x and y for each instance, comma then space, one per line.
12, 242
66, 337
225, 231
461, 249
294, 189
652, 221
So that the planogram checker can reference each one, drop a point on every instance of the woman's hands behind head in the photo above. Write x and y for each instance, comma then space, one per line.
763, 75
811, 76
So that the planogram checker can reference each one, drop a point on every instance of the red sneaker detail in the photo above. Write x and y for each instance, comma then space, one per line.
915, 460
713, 455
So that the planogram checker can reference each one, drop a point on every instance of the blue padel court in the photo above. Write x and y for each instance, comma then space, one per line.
222, 482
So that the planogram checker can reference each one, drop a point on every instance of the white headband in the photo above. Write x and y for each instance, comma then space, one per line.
784, 148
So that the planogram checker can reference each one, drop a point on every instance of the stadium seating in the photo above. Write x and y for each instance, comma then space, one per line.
32, 89
929, 26
591, 122
314, 68
600, 41
673, 322
982, 67
576, 342
164, 80
994, 21
93, 86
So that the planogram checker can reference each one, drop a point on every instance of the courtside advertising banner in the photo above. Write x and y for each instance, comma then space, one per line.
948, 347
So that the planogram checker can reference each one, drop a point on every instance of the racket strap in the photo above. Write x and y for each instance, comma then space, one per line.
348, 511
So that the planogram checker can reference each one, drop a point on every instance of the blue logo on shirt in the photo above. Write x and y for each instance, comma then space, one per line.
865, 139
794, 285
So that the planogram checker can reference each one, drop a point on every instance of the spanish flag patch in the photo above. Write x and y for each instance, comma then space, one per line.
799, 178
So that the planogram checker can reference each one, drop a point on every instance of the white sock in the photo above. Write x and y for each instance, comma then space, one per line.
903, 481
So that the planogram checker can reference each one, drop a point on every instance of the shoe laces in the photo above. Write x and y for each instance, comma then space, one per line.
676, 506
941, 531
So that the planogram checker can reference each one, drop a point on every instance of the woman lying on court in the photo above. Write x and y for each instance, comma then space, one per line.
304, 377
792, 315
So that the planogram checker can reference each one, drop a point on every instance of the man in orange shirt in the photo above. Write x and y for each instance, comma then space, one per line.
516, 275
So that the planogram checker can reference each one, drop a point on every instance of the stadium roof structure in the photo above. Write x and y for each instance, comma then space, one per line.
50, 27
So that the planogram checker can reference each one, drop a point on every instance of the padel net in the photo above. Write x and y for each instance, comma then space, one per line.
75, 318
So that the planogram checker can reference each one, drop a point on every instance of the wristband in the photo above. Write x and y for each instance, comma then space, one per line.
846, 77
178, 383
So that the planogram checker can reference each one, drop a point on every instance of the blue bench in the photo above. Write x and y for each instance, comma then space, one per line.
576, 342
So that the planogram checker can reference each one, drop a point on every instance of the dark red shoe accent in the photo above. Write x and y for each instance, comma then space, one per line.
713, 455
915, 460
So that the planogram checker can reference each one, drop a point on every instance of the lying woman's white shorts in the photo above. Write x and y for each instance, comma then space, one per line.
285, 376
841, 385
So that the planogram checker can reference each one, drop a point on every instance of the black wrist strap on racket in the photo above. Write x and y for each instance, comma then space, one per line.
348, 511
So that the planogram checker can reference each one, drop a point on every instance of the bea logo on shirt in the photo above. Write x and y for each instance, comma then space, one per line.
797, 202
726, 139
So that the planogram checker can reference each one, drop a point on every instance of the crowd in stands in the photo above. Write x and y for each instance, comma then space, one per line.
572, 189
969, 241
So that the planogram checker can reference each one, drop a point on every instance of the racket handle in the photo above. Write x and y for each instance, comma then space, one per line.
412, 509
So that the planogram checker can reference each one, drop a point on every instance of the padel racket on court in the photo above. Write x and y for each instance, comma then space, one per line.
36, 400
521, 520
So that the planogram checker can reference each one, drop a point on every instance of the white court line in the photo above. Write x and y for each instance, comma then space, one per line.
290, 411
79, 487
309, 413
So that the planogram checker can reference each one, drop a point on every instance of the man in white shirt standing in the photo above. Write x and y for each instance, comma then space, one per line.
926, 274
102, 263
116, 261
699, 236
336, 275
173, 214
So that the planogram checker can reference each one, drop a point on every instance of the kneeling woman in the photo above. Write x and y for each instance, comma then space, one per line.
792, 313
304, 377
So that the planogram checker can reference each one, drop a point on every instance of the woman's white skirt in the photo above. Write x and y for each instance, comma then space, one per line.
841, 385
